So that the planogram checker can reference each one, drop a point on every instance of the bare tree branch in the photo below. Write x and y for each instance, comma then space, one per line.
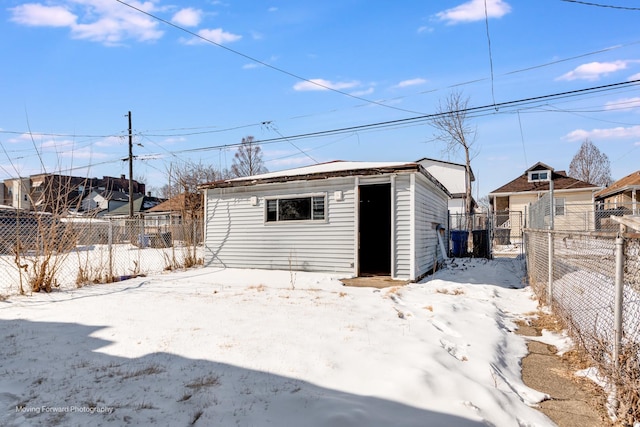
454, 130
248, 159
591, 165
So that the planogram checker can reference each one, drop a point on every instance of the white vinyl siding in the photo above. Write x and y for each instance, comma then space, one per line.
237, 235
402, 227
431, 210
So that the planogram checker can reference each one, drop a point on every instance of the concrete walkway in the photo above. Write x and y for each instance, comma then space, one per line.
570, 404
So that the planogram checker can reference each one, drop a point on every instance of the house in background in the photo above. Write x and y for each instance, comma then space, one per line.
624, 194
569, 194
181, 215
454, 177
353, 218
101, 202
48, 192
141, 204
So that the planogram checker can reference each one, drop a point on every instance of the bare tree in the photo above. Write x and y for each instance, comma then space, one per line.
453, 128
186, 177
591, 165
248, 159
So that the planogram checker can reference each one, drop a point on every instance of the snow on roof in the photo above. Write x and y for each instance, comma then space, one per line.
335, 168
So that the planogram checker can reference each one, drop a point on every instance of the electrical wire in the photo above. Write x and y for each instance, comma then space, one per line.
264, 64
486, 22
586, 3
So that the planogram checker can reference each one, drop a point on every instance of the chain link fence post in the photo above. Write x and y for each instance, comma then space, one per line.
618, 301
110, 248
550, 268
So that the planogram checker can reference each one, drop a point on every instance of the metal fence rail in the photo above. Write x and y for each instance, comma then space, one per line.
41, 253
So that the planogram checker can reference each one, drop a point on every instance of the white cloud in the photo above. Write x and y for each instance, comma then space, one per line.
594, 70
365, 92
188, 17
217, 35
635, 77
410, 82
272, 9
623, 104
322, 84
38, 15
424, 29
600, 134
109, 23
474, 10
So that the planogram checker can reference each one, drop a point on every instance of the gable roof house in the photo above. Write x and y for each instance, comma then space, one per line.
100, 202
573, 198
620, 199
352, 218
182, 215
47, 192
624, 194
141, 204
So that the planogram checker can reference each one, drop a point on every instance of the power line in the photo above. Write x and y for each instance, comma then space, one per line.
475, 112
412, 121
252, 59
586, 3
486, 22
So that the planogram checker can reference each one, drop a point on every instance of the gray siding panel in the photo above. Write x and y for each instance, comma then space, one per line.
237, 235
403, 227
431, 210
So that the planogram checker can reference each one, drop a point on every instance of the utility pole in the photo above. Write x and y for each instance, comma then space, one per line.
130, 168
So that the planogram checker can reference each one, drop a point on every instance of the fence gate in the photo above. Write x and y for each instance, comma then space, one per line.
506, 234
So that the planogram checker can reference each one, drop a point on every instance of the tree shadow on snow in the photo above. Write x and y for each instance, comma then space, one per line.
54, 374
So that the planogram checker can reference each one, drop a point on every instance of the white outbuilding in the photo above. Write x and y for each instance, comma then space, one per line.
355, 218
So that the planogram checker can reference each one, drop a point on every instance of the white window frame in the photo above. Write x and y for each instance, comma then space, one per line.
537, 178
560, 202
296, 196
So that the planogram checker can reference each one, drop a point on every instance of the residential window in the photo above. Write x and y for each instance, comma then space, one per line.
559, 205
539, 176
308, 208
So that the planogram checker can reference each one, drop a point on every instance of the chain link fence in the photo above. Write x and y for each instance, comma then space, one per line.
40, 252
588, 273
487, 234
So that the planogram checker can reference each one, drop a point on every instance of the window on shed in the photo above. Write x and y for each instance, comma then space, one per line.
310, 208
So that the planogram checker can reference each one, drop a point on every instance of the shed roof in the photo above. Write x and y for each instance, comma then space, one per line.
332, 169
628, 182
560, 182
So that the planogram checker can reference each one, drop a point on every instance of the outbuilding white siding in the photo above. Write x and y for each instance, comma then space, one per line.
430, 211
237, 234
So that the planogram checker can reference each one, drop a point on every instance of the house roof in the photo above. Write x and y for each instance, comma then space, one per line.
114, 195
560, 182
141, 203
427, 159
176, 203
629, 182
332, 169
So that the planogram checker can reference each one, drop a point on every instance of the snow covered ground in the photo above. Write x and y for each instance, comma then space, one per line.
271, 348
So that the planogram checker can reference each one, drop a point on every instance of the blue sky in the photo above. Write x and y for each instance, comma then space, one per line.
198, 76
